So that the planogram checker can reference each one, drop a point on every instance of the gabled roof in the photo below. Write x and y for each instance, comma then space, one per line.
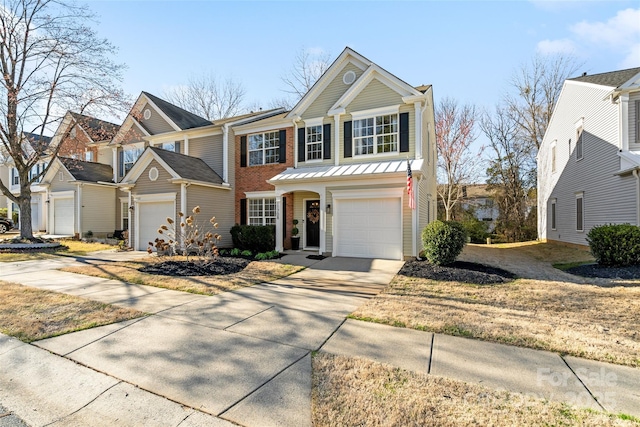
180, 117
37, 141
188, 167
98, 130
612, 79
87, 171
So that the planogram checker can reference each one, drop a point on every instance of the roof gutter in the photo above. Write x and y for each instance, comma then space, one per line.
223, 186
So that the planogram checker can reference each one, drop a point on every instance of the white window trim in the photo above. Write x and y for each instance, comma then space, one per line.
364, 114
554, 157
554, 214
124, 201
579, 196
375, 153
263, 149
263, 216
307, 143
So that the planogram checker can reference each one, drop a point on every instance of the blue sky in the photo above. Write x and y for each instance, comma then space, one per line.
465, 49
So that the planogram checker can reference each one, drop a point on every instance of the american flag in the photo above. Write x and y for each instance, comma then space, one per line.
412, 200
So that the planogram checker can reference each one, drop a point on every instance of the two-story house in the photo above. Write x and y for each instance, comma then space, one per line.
589, 160
338, 163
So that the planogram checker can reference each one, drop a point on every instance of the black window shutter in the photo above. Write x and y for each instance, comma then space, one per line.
243, 211
302, 155
326, 141
121, 163
177, 146
284, 218
347, 139
243, 152
282, 157
404, 132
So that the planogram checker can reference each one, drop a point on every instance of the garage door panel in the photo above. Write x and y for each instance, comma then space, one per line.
63, 217
151, 216
369, 228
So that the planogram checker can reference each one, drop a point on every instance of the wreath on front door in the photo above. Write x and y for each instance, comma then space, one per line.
313, 215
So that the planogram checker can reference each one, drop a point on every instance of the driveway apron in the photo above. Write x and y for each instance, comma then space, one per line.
243, 356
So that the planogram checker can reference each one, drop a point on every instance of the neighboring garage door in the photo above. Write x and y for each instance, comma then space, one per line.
369, 228
63, 217
151, 216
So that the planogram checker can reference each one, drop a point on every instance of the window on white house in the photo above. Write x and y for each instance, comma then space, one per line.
579, 143
262, 211
580, 212
553, 214
553, 157
264, 148
375, 135
314, 142
124, 207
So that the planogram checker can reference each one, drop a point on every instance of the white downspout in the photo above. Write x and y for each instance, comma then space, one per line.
115, 163
637, 175
79, 210
186, 145
225, 152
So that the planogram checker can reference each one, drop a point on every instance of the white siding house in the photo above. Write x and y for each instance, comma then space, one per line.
589, 160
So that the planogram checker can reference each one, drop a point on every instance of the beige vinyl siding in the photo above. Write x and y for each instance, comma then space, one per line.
426, 210
364, 159
608, 198
145, 186
209, 149
156, 123
98, 209
64, 185
118, 195
375, 95
213, 202
331, 94
407, 226
634, 137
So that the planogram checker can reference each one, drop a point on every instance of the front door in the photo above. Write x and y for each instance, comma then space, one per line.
313, 223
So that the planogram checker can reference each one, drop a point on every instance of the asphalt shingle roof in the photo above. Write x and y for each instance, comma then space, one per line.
98, 130
187, 167
182, 118
87, 171
612, 78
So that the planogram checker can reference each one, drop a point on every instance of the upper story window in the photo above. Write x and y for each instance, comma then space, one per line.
579, 140
579, 211
553, 156
128, 157
314, 142
264, 148
375, 135
170, 146
262, 211
15, 179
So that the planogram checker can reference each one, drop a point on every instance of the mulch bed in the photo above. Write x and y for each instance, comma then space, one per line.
459, 271
217, 267
599, 271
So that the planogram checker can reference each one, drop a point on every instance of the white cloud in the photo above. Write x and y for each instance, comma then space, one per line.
562, 46
620, 34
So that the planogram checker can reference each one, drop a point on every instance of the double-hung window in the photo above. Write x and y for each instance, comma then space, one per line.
314, 142
129, 157
264, 148
553, 214
124, 209
579, 143
579, 211
262, 211
376, 135
15, 179
170, 146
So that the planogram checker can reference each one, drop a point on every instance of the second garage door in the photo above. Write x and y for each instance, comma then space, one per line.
63, 217
369, 228
151, 216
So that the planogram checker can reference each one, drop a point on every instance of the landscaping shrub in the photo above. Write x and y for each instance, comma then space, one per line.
615, 244
257, 238
443, 241
476, 229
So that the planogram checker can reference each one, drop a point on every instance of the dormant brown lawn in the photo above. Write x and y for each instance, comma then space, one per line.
599, 322
356, 392
255, 272
71, 247
31, 314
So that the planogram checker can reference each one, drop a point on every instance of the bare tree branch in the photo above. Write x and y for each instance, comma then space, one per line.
305, 71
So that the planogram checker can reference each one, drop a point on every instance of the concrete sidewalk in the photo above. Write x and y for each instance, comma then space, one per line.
245, 356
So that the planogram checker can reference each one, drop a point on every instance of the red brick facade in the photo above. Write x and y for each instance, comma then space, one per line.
254, 178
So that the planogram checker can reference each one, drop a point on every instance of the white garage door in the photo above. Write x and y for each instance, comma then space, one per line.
369, 228
151, 216
63, 217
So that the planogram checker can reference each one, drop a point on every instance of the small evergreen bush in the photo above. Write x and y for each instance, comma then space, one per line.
615, 245
443, 241
257, 238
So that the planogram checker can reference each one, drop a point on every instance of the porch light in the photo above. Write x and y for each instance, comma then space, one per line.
329, 209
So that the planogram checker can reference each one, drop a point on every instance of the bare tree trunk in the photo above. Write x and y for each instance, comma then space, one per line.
26, 231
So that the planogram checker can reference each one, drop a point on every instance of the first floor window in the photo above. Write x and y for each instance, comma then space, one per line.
262, 211
314, 142
579, 212
125, 215
264, 148
553, 214
375, 135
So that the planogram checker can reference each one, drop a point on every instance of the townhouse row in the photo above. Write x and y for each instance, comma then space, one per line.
337, 162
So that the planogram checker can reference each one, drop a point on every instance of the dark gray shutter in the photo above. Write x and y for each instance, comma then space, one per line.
243, 152
347, 139
284, 218
302, 155
177, 146
404, 132
121, 163
243, 211
282, 155
326, 141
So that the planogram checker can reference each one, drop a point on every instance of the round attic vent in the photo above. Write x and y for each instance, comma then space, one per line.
349, 77
153, 174
147, 114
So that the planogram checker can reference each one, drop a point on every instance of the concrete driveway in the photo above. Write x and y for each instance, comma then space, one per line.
243, 356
